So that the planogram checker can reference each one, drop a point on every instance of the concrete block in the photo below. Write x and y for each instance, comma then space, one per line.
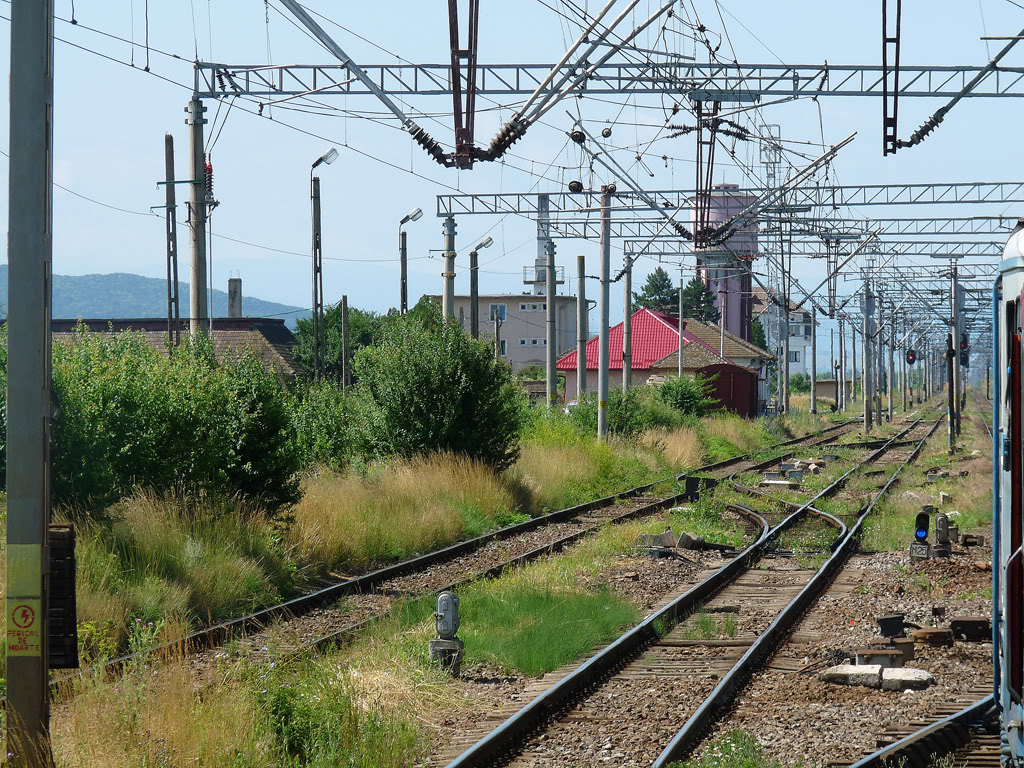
906, 679
886, 658
869, 675
944, 498
688, 541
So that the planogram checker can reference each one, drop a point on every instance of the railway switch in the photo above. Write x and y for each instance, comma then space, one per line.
447, 648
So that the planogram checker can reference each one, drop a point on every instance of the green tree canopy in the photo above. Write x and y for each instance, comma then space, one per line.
658, 293
364, 327
699, 302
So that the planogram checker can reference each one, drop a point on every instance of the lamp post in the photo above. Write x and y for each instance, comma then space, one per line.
318, 272
474, 289
413, 215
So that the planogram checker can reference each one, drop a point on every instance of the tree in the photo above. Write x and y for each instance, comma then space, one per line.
758, 334
364, 327
439, 390
658, 293
699, 302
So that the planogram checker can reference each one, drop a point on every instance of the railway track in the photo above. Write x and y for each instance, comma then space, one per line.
624, 703
312, 621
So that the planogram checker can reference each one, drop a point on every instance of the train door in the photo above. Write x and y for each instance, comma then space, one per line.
1015, 562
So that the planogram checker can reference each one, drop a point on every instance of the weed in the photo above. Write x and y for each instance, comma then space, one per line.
737, 749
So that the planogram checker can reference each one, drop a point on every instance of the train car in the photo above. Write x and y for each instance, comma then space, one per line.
1008, 515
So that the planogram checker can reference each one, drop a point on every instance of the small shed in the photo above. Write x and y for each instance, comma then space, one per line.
735, 388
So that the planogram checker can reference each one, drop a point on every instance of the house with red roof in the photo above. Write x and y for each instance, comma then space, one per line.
655, 352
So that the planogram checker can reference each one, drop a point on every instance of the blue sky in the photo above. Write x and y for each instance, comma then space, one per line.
110, 122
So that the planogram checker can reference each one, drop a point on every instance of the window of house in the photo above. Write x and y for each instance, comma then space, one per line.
522, 307
533, 307
522, 342
544, 307
794, 356
499, 310
533, 342
504, 348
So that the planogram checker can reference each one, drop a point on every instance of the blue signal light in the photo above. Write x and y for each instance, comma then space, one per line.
921, 534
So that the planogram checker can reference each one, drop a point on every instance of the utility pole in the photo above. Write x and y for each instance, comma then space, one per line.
892, 343
814, 358
627, 327
853, 360
551, 290
839, 369
30, 251
681, 324
782, 356
497, 336
866, 334
880, 362
346, 376
474, 294
403, 255
170, 207
318, 284
950, 371
582, 335
448, 295
197, 219
602, 360
955, 322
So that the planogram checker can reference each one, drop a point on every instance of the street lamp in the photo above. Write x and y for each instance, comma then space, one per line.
326, 158
474, 300
413, 215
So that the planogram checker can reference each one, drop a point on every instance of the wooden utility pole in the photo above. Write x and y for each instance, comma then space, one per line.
29, 253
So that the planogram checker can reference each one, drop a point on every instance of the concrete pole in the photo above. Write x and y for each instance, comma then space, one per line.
814, 358
317, 319
723, 315
29, 255
951, 354
866, 351
582, 334
474, 294
448, 295
780, 368
197, 219
403, 255
551, 290
679, 372
853, 361
497, 337
627, 327
346, 374
839, 369
602, 360
171, 222
879, 363
955, 383
892, 343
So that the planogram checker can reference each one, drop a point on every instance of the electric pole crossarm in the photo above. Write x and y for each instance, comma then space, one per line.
707, 82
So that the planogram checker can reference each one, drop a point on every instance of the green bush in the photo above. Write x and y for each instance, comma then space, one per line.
629, 414
800, 383
693, 395
129, 417
431, 390
327, 426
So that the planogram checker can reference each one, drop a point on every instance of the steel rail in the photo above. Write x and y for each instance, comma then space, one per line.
767, 642
923, 746
220, 633
542, 708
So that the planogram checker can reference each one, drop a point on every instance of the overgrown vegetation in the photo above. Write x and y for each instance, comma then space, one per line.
737, 749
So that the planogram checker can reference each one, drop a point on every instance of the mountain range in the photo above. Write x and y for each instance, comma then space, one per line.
121, 294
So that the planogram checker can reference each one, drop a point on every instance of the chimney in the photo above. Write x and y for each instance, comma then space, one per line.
234, 297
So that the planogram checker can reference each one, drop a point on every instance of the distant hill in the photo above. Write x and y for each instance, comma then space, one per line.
125, 295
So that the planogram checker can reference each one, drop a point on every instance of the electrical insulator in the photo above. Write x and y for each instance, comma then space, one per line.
606, 132
578, 136
208, 169
575, 186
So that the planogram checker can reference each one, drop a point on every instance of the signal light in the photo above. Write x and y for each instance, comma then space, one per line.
911, 357
921, 526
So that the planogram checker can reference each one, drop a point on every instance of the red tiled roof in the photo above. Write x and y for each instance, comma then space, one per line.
655, 337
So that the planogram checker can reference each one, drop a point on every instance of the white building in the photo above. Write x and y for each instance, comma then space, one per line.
799, 331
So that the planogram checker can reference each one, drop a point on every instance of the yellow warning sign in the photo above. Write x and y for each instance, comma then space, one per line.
23, 622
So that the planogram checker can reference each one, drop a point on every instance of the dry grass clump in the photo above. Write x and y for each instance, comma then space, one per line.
743, 434
158, 718
681, 447
349, 520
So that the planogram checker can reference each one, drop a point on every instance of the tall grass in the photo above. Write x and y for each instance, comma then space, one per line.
681, 447
154, 558
560, 465
350, 520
